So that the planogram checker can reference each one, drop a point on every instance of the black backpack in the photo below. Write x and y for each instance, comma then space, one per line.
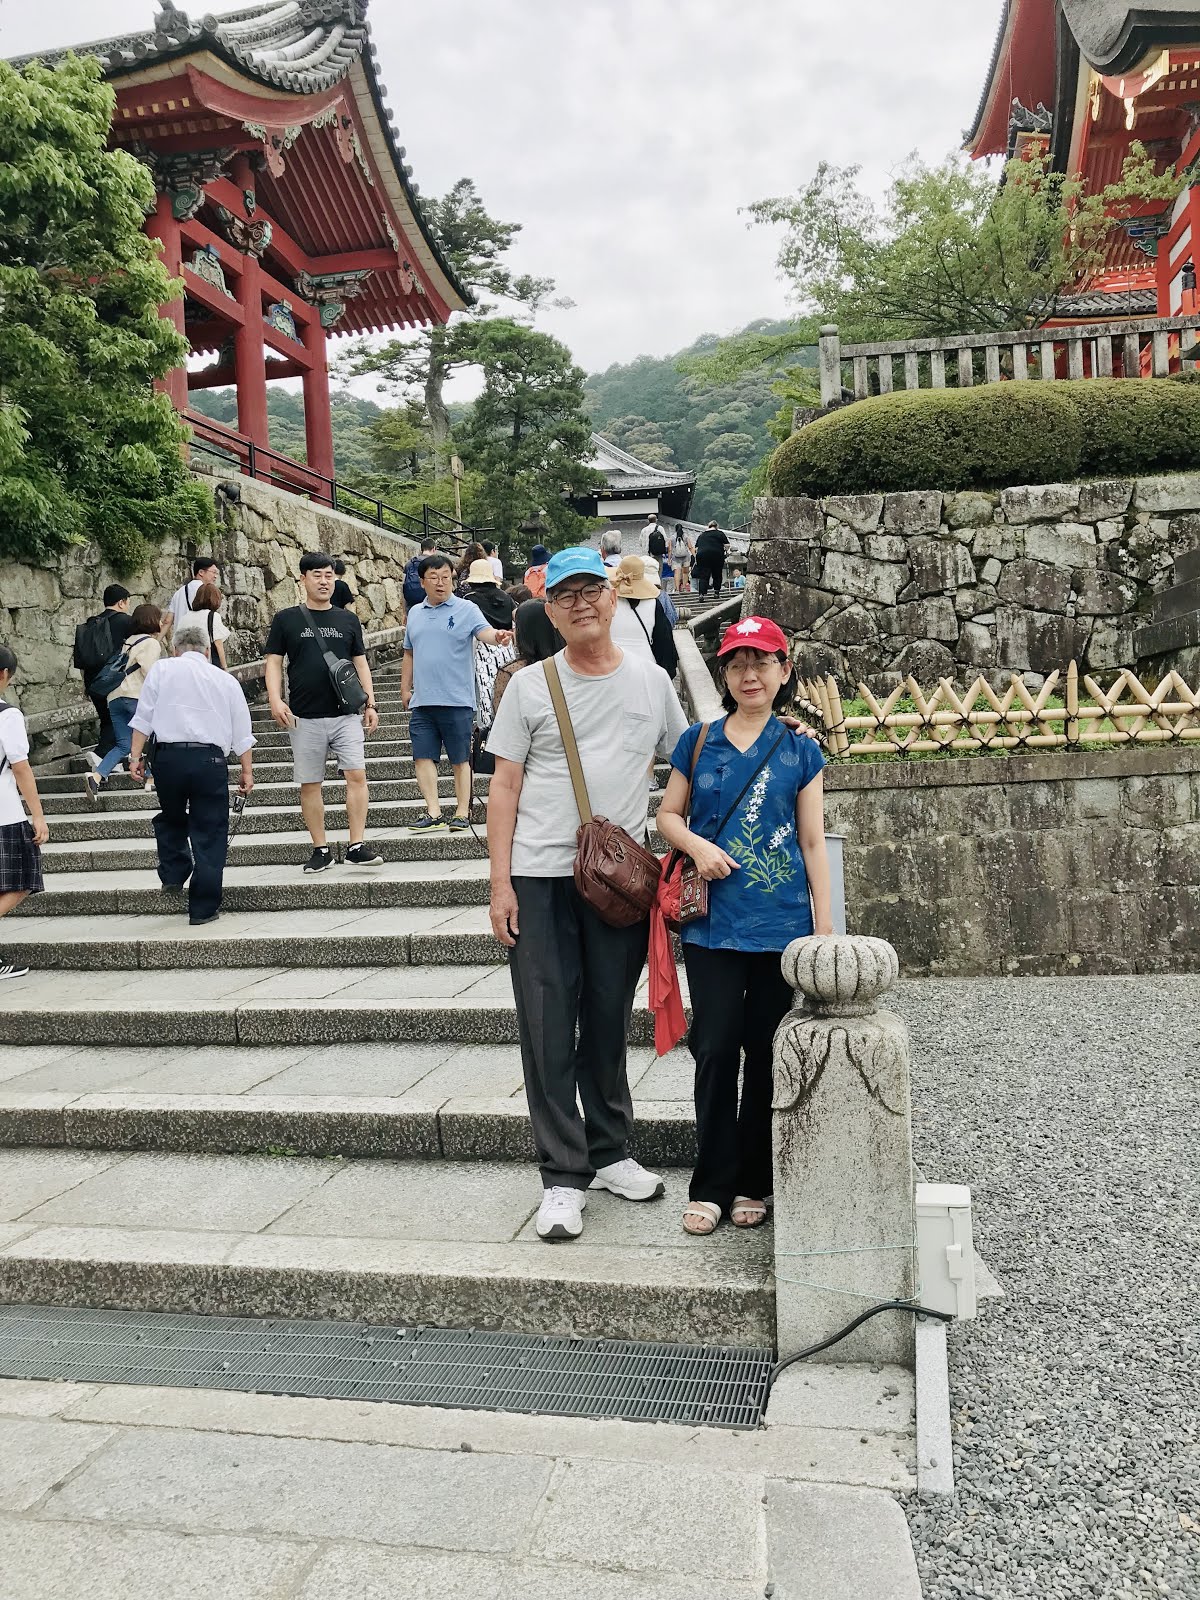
414, 593
93, 644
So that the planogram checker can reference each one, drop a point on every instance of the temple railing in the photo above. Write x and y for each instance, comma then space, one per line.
284, 472
1145, 347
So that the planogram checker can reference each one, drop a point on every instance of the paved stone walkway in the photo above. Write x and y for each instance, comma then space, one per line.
145, 1493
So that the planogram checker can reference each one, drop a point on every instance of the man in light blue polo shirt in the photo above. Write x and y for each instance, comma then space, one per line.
437, 684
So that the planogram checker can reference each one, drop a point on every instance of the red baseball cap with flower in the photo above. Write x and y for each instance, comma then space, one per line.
753, 633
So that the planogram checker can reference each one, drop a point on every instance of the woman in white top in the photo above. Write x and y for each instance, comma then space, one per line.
640, 625
208, 600
143, 649
21, 837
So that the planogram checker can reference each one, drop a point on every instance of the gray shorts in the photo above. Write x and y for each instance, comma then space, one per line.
314, 739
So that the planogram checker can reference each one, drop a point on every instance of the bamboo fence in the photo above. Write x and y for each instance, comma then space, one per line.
982, 719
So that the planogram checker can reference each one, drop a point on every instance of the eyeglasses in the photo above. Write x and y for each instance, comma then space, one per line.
568, 599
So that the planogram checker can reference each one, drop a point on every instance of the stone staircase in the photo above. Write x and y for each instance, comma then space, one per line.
314, 1106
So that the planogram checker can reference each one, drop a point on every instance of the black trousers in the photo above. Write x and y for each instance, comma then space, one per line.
192, 825
738, 1001
108, 737
709, 573
570, 972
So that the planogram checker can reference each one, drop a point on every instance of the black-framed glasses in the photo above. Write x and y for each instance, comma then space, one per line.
570, 598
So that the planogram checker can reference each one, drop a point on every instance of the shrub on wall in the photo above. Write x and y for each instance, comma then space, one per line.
993, 436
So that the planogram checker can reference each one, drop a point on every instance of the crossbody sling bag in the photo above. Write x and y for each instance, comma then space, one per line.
693, 889
348, 691
615, 875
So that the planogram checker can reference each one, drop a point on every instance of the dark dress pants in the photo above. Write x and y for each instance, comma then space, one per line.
108, 737
738, 1000
192, 825
710, 574
571, 971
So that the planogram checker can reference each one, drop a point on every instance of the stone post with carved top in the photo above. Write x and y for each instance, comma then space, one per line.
843, 1153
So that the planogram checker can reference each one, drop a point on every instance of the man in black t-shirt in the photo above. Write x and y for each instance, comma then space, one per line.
710, 560
96, 642
312, 715
343, 594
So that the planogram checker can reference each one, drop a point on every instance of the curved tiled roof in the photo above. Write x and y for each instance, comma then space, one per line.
624, 471
295, 46
971, 133
1115, 35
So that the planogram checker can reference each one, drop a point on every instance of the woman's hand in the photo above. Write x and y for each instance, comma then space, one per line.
711, 861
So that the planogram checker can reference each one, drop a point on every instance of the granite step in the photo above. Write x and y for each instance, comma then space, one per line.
282, 792
261, 849
80, 826
277, 887
460, 1004
162, 940
444, 1243
416, 1102
273, 767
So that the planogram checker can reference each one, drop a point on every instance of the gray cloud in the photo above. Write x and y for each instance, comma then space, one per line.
625, 134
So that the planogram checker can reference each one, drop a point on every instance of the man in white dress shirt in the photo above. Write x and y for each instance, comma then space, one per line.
198, 715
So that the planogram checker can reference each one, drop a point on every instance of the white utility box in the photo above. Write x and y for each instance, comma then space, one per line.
945, 1249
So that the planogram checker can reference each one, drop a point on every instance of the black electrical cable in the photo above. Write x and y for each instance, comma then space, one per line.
836, 1338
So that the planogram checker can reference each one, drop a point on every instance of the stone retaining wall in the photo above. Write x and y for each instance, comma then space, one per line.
260, 538
946, 585
1050, 863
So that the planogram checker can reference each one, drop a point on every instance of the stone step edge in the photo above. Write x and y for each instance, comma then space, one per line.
465, 1128
442, 1020
342, 947
359, 894
668, 1296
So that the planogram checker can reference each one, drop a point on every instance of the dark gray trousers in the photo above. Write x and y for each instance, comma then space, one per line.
570, 972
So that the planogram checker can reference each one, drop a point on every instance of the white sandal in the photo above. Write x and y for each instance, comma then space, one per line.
754, 1212
705, 1214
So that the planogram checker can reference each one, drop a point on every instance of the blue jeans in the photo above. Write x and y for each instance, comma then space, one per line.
122, 713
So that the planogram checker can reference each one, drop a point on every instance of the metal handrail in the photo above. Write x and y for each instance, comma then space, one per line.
328, 491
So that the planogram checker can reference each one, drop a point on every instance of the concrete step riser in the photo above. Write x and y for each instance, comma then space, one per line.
75, 829
287, 1024
215, 1125
275, 770
718, 1314
135, 800
187, 954
320, 894
260, 851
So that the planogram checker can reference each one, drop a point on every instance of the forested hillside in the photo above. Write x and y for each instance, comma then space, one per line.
665, 416
672, 419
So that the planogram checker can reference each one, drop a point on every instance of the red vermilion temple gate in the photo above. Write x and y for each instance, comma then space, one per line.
284, 202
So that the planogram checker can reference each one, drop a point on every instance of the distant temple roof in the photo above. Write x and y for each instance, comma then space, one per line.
625, 471
297, 48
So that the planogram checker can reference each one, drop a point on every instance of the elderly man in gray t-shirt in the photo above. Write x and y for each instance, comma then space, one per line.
571, 972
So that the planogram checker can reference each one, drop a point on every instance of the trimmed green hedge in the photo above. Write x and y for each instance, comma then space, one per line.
992, 436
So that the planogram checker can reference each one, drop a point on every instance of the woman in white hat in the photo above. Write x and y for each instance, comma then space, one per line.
640, 625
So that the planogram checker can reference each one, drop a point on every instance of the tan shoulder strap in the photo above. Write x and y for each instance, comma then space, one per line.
559, 701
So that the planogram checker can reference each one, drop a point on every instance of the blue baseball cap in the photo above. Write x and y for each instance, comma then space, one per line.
577, 561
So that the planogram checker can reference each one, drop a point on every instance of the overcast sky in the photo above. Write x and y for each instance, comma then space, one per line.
625, 134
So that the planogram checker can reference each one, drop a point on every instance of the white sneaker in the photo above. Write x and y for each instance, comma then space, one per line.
630, 1180
560, 1215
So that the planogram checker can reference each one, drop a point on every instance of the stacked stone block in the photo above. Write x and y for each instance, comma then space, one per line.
949, 585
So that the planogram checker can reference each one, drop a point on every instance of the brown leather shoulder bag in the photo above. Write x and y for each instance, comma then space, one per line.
617, 876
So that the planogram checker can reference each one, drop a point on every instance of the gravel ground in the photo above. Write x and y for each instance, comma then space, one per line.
1072, 1108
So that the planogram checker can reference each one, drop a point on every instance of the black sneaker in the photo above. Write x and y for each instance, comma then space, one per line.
321, 859
459, 824
363, 855
426, 824
13, 972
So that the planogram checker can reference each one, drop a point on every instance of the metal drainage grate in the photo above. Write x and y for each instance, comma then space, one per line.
476, 1370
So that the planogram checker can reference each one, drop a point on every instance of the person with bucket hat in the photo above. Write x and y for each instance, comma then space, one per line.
574, 975
640, 625
483, 587
745, 804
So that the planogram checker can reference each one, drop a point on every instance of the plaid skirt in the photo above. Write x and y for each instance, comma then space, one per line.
20, 859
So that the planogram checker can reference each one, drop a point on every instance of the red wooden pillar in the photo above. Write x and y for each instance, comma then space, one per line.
249, 350
161, 225
318, 421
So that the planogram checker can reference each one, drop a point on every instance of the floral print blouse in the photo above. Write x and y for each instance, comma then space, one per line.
764, 905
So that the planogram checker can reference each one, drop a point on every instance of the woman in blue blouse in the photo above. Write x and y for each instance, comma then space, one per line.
757, 835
